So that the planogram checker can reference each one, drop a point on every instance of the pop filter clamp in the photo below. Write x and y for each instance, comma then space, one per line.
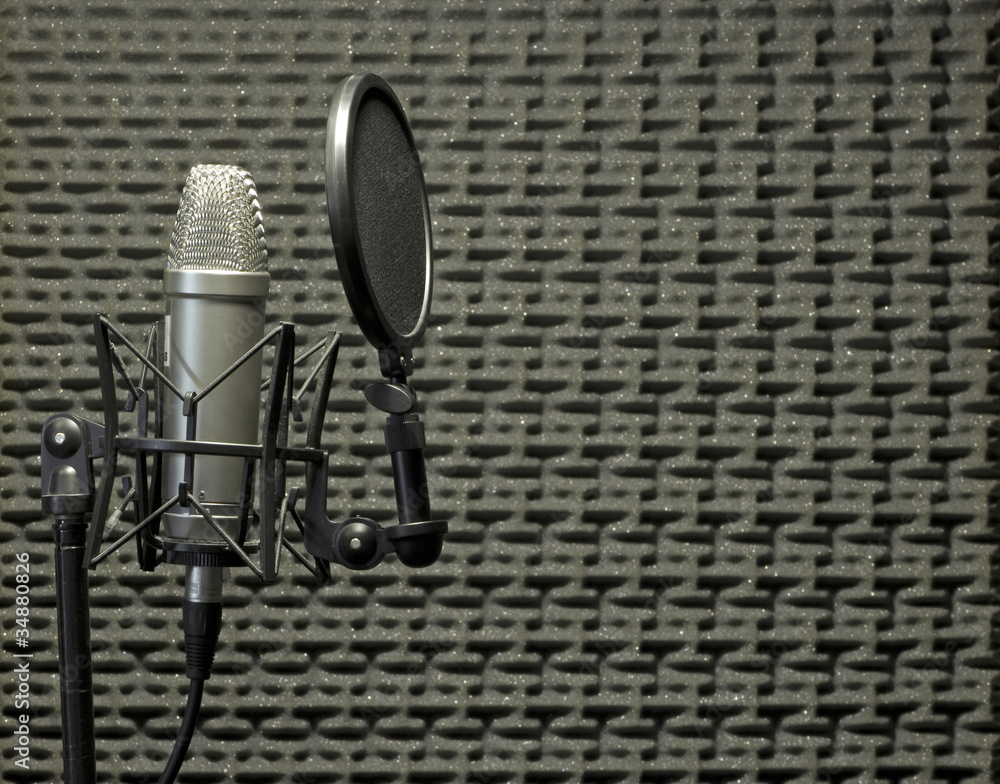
380, 224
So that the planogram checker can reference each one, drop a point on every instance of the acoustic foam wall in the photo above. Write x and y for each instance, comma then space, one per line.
707, 385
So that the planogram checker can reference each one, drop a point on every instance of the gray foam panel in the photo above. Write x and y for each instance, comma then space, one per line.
708, 385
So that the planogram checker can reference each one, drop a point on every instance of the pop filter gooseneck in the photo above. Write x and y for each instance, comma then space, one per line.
381, 229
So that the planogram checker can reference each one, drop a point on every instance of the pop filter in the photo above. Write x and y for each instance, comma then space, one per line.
381, 229
379, 217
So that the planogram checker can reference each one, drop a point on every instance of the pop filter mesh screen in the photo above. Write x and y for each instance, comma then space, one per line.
389, 212
710, 384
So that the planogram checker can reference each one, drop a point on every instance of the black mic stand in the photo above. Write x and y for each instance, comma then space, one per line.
69, 444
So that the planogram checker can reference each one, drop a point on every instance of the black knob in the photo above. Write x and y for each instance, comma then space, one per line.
357, 543
63, 437
391, 398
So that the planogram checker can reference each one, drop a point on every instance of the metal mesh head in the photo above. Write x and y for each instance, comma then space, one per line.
219, 226
389, 208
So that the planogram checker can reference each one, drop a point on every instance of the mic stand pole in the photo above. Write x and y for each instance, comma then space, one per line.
75, 682
68, 444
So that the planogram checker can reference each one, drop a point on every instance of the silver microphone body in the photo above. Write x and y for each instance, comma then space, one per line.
216, 288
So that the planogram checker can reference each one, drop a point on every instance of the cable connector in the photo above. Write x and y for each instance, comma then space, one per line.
202, 624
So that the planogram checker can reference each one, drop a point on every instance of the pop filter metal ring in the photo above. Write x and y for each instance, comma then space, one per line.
341, 194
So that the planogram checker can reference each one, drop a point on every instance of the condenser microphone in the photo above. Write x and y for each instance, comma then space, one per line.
215, 287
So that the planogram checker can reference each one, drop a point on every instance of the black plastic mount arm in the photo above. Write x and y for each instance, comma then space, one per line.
359, 543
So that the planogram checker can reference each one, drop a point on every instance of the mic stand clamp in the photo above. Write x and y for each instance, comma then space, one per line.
69, 445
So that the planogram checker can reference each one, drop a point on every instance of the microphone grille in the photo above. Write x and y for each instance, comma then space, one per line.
219, 225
